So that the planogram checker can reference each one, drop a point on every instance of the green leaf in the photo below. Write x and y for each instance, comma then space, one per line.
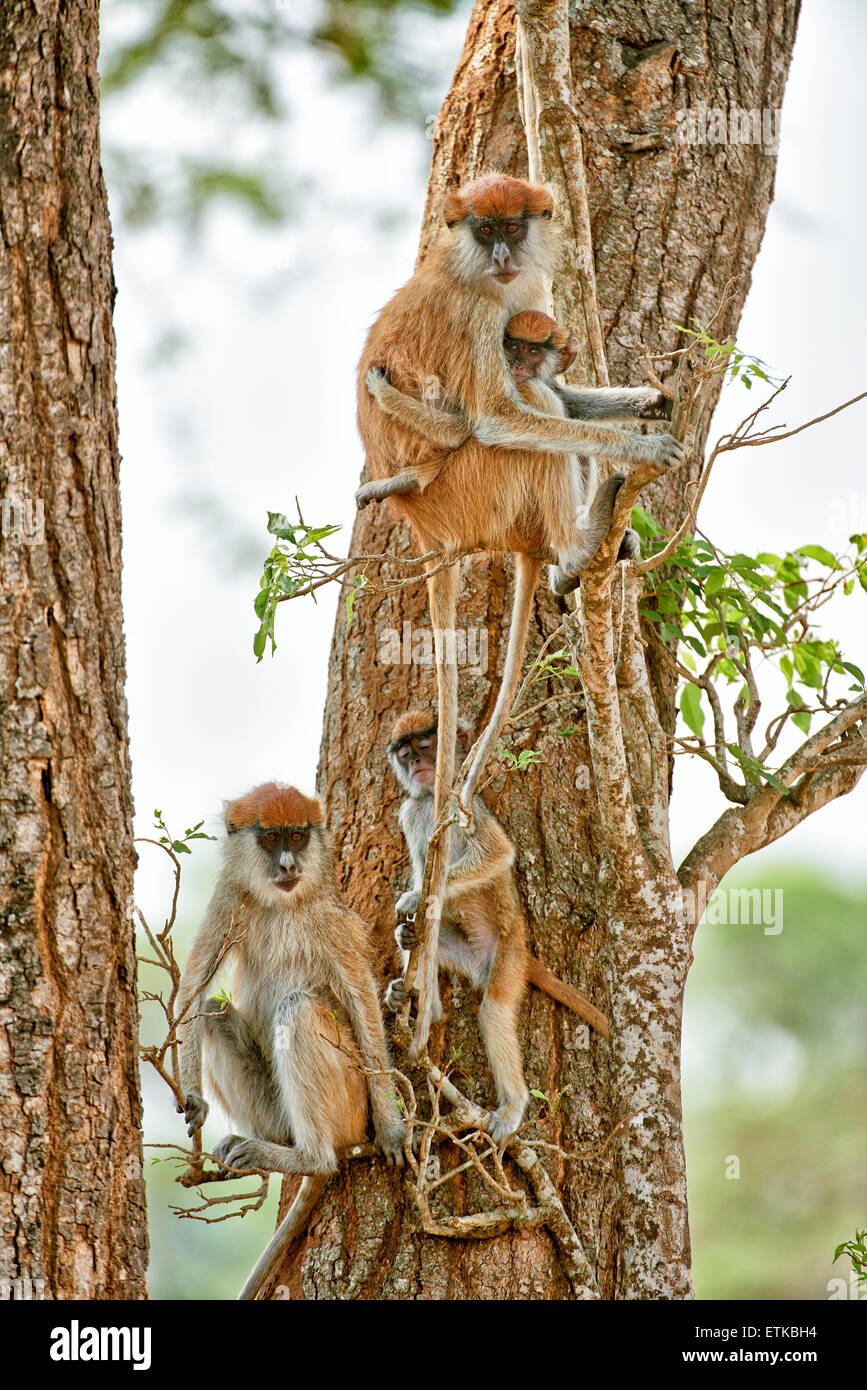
690, 708
280, 526
802, 721
818, 552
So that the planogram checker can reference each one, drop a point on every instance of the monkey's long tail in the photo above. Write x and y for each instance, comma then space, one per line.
545, 979
443, 589
294, 1224
527, 571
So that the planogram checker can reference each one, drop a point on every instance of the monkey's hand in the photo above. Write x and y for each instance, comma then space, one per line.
378, 384
405, 936
661, 449
395, 995
408, 905
656, 407
195, 1111
368, 492
390, 1139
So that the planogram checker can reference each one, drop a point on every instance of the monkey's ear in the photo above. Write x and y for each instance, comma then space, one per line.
454, 209
464, 739
568, 354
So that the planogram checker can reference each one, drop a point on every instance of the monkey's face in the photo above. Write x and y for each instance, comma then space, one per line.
278, 864
414, 760
496, 250
286, 852
527, 359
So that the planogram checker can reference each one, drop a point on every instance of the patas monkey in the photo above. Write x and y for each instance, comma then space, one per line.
303, 985
495, 256
537, 349
482, 929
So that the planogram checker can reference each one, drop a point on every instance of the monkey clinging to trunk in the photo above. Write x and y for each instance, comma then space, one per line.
482, 930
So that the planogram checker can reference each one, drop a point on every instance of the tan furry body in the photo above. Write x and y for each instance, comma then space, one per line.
286, 1058
483, 934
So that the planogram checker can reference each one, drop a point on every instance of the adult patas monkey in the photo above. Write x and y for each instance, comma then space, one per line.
303, 985
445, 328
538, 350
483, 934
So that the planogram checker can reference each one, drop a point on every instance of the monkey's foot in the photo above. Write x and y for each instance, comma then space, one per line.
506, 1119
225, 1148
391, 1141
195, 1111
561, 581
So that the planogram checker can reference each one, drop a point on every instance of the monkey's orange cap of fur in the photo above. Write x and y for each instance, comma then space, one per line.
532, 326
498, 196
271, 805
415, 721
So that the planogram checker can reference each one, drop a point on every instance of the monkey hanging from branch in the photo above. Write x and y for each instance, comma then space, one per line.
510, 487
298, 1058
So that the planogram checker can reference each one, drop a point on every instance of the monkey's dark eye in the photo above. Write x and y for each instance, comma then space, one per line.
270, 839
513, 227
486, 230
403, 752
423, 743
297, 836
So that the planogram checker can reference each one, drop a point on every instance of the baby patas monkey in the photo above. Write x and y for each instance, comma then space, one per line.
537, 349
270, 1057
482, 929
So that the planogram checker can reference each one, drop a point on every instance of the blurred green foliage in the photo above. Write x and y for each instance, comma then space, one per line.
227, 58
775, 1046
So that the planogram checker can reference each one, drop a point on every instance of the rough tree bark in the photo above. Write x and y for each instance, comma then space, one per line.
71, 1195
672, 223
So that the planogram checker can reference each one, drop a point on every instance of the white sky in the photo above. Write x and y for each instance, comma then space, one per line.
261, 407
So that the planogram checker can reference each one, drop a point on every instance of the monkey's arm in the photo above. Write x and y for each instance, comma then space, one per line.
505, 417
439, 427
200, 966
613, 402
521, 427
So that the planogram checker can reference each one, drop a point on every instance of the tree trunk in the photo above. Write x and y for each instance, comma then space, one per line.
71, 1191
672, 223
